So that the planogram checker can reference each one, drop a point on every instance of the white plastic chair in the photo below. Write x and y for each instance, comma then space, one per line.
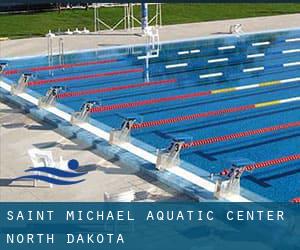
69, 32
50, 34
77, 31
236, 29
40, 158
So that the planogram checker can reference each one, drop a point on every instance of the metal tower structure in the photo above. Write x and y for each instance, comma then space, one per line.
129, 20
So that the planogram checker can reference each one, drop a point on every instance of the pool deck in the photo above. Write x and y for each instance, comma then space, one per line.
38, 45
106, 176
18, 133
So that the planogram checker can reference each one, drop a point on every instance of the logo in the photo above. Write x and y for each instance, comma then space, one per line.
55, 175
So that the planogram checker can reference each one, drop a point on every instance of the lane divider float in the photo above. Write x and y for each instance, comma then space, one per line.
161, 122
188, 96
265, 164
81, 77
234, 136
65, 66
116, 88
296, 200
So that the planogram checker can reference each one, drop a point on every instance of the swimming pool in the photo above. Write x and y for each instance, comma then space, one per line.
233, 98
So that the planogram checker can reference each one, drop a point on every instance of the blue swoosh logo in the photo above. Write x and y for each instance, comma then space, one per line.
48, 179
55, 171
72, 165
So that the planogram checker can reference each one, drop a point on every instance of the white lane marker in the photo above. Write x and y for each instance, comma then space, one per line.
226, 47
261, 43
291, 64
292, 40
147, 56
290, 51
247, 87
253, 69
195, 51
178, 65
290, 100
218, 60
186, 52
183, 52
290, 80
211, 75
256, 55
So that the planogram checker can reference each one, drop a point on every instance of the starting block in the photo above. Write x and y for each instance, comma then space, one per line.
84, 113
226, 188
3, 65
231, 185
170, 157
22, 84
122, 135
50, 97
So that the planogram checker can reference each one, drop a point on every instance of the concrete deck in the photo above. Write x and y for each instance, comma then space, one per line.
36, 46
18, 132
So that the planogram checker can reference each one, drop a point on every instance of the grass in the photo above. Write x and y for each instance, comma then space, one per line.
38, 24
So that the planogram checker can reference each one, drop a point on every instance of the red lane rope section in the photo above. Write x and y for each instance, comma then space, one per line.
110, 89
271, 162
296, 200
240, 134
191, 117
148, 102
71, 78
65, 66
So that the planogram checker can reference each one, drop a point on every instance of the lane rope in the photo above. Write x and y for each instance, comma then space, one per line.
263, 164
111, 89
80, 77
160, 122
269, 163
191, 117
296, 200
65, 66
188, 96
240, 135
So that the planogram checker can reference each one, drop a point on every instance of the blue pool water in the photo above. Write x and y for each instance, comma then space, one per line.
237, 61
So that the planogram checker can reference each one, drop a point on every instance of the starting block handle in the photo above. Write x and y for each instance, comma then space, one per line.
3, 65
83, 114
50, 97
127, 123
22, 83
169, 157
122, 135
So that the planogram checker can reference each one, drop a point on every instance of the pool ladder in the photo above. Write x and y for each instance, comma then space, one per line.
61, 53
50, 53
